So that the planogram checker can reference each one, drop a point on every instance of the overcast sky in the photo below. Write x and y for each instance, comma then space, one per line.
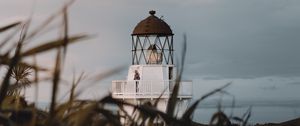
254, 43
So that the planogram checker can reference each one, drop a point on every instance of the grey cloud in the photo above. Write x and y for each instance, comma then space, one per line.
246, 40
294, 83
269, 88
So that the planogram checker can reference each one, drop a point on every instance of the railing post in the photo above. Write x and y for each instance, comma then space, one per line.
134, 85
169, 87
136, 91
122, 89
151, 90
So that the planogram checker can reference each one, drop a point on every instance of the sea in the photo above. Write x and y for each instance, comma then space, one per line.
260, 111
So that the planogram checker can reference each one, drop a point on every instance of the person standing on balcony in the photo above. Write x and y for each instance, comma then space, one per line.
136, 78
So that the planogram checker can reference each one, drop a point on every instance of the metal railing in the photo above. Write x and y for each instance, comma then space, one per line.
149, 89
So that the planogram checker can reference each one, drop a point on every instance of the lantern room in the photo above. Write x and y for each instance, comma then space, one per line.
152, 42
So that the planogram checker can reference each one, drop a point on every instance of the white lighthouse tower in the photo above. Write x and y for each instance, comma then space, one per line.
153, 71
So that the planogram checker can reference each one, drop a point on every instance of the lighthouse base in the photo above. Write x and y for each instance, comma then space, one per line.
161, 105
151, 85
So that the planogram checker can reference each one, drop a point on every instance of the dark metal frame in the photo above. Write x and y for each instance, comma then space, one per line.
163, 43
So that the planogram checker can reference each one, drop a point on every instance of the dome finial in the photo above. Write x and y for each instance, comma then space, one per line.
152, 12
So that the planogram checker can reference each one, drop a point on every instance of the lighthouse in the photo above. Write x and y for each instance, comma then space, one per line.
152, 73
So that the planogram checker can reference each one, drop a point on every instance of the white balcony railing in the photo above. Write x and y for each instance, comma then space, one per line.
149, 89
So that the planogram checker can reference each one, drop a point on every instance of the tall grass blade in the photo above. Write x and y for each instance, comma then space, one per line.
247, 116
219, 119
173, 99
188, 113
56, 78
4, 28
5, 60
159, 97
145, 110
9, 37
111, 118
40, 28
52, 44
74, 85
66, 30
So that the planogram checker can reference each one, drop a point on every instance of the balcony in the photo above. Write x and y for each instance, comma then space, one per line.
123, 89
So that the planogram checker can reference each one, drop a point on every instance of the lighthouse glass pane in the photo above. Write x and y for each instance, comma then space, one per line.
154, 56
163, 53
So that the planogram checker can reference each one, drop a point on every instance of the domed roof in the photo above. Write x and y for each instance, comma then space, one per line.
152, 25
